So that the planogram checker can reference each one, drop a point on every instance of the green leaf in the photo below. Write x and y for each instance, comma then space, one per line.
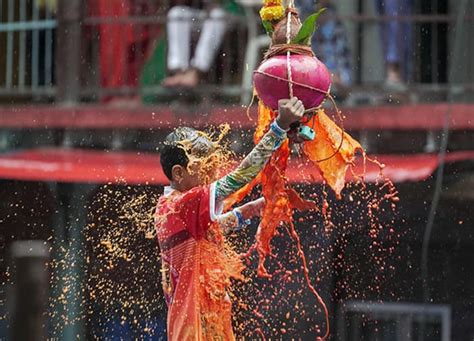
307, 29
268, 27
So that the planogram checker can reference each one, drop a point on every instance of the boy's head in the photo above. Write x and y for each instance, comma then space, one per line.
180, 157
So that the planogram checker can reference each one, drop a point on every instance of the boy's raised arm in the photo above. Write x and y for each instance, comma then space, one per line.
289, 111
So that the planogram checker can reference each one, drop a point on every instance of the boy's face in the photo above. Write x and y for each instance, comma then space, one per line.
186, 179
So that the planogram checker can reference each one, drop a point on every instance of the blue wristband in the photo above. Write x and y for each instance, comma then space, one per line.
280, 132
240, 220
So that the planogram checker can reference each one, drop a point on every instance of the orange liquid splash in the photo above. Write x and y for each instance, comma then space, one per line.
333, 158
281, 200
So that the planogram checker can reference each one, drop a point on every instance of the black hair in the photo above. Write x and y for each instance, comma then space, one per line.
173, 153
170, 156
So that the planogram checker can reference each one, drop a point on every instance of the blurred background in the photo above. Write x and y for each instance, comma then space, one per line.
88, 89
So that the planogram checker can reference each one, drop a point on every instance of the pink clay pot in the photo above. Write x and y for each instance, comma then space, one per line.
305, 70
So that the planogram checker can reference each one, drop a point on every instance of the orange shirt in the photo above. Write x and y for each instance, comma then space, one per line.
196, 266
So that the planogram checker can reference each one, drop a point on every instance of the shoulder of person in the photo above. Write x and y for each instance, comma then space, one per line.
195, 192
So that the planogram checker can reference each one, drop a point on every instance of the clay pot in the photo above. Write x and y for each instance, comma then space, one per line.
306, 70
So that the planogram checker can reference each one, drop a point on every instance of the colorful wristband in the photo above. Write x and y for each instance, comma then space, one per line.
280, 132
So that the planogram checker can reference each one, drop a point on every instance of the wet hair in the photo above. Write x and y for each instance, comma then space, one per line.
173, 152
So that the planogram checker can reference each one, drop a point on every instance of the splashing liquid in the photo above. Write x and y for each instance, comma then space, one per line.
118, 268
278, 207
278, 285
208, 153
282, 200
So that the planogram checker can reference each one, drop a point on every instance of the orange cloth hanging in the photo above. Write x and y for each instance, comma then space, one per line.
328, 154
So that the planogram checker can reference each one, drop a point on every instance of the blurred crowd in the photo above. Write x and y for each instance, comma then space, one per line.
182, 52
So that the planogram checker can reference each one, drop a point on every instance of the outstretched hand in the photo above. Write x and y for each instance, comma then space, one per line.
252, 208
